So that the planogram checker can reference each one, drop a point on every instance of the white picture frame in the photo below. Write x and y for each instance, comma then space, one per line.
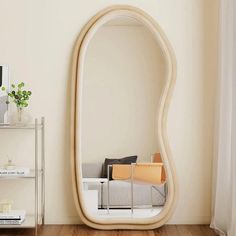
4, 81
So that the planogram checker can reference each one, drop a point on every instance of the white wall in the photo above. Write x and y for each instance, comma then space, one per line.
122, 84
36, 40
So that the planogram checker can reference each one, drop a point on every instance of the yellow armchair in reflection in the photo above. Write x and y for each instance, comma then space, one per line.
142, 173
156, 158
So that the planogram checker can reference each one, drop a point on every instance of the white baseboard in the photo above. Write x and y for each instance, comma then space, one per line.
180, 220
192, 220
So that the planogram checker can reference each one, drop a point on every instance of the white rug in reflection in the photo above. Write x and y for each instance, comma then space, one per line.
126, 213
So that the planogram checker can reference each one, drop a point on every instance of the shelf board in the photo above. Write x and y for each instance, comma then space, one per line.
29, 126
31, 175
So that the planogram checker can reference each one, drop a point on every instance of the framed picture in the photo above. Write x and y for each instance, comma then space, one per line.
4, 81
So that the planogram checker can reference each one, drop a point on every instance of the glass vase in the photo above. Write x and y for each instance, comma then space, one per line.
20, 117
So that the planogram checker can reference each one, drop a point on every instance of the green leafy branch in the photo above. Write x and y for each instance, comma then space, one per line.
18, 95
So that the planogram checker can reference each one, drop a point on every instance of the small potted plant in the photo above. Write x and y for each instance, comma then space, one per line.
20, 97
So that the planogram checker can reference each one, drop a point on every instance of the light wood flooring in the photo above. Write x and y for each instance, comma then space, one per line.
81, 230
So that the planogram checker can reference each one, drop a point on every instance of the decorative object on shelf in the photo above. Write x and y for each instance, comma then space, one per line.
20, 97
9, 165
4, 81
5, 206
20, 117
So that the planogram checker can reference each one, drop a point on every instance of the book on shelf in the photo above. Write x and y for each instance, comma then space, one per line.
17, 171
13, 217
11, 222
13, 214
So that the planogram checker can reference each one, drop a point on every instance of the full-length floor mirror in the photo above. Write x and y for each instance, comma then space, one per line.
123, 75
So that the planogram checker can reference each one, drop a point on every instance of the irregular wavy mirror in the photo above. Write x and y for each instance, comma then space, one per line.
123, 174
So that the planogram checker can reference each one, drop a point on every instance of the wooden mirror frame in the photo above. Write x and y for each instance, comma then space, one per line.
77, 69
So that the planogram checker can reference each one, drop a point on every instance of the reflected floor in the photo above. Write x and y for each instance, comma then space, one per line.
126, 213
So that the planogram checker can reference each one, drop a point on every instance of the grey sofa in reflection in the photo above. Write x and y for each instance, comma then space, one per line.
120, 194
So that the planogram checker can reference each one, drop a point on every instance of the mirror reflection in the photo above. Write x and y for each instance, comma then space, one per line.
123, 78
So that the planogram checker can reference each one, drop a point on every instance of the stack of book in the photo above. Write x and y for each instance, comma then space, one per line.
17, 171
14, 217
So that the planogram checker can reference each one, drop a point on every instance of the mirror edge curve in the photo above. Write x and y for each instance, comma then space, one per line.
169, 207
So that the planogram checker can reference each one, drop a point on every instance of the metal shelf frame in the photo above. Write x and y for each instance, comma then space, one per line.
35, 174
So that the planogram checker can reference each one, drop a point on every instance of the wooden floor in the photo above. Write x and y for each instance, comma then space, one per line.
74, 230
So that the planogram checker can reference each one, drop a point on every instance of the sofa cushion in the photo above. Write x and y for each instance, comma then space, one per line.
120, 194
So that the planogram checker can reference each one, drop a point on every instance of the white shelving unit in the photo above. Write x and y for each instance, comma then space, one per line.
36, 174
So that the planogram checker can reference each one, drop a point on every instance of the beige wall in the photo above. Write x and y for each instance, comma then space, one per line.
122, 84
36, 41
